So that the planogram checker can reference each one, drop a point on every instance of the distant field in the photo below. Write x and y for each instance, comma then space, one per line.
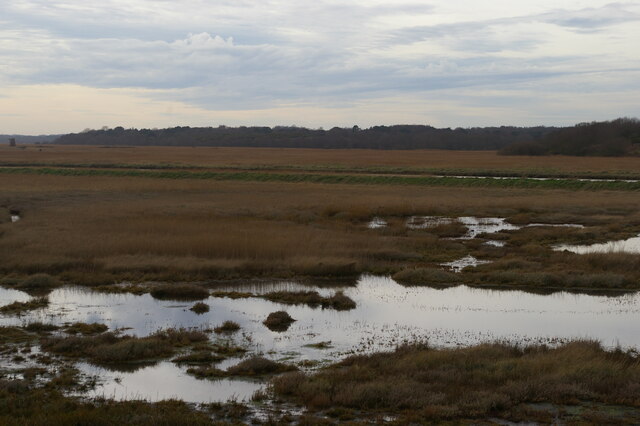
99, 226
328, 177
98, 215
375, 161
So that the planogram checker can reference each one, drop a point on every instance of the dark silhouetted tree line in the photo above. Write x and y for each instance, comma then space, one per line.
28, 139
378, 137
609, 138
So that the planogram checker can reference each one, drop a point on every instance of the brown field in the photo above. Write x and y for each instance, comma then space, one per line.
288, 157
96, 230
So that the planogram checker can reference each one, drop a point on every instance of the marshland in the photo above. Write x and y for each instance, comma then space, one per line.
317, 286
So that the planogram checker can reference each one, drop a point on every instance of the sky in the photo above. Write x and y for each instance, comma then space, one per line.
74, 64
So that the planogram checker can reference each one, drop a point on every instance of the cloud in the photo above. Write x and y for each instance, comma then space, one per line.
269, 55
593, 19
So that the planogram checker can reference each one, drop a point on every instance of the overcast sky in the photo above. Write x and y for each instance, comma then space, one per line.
75, 64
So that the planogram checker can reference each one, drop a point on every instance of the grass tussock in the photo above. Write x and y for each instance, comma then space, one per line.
259, 366
39, 282
182, 291
250, 367
200, 308
16, 308
338, 301
227, 349
111, 348
227, 327
40, 327
489, 380
86, 329
10, 335
278, 321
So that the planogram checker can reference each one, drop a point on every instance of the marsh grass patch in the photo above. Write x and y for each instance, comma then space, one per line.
179, 291
200, 308
110, 348
86, 329
338, 301
278, 321
476, 382
16, 308
227, 327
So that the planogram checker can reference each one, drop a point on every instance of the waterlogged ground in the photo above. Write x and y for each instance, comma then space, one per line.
478, 226
387, 314
631, 245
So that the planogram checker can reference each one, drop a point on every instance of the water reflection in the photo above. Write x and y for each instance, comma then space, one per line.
387, 314
631, 245
165, 381
485, 225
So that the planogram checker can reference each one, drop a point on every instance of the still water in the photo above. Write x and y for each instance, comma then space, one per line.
387, 314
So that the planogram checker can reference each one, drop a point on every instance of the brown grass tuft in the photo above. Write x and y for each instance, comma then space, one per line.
259, 366
200, 308
278, 321
227, 327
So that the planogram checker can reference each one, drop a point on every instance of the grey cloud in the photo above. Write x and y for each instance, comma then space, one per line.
590, 19
217, 73
233, 60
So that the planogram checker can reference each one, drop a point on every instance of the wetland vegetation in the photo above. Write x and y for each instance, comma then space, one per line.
229, 263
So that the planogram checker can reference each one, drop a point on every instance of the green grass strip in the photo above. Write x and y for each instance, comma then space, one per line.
568, 184
337, 168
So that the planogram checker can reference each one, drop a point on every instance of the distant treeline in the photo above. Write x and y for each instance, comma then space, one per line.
378, 137
609, 138
28, 139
